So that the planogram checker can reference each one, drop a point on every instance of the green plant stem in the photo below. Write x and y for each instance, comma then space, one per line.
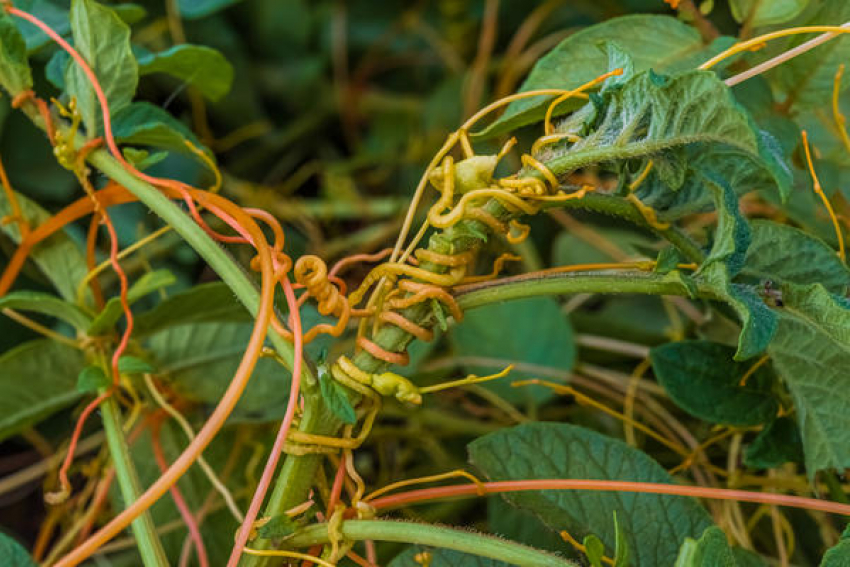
437, 536
144, 530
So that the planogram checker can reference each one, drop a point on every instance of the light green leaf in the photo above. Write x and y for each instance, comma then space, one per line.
443, 558
103, 40
335, 397
504, 333
760, 13
14, 554
775, 445
594, 549
37, 379
145, 124
133, 365
202, 303
654, 525
659, 42
91, 378
199, 361
192, 9
710, 550
782, 253
130, 13
113, 310
57, 257
758, 321
622, 552
811, 353
202, 67
702, 378
15, 74
46, 304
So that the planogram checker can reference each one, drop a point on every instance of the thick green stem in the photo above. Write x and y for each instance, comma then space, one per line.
144, 530
436, 536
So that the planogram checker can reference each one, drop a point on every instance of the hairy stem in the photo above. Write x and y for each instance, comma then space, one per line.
437, 536
144, 530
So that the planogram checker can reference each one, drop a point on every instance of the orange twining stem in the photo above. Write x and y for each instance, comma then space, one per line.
348, 261
43, 110
422, 292
379, 352
17, 216
453, 260
312, 273
465, 490
179, 501
91, 261
407, 325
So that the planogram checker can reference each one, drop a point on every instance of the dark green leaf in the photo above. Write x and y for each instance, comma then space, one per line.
732, 235
839, 554
48, 11
654, 525
335, 397
202, 303
37, 379
15, 74
278, 527
202, 67
46, 304
703, 379
145, 124
775, 445
659, 42
710, 550
133, 365
443, 558
13, 553
57, 67
92, 378
191, 9
782, 253
501, 333
524, 526
113, 309
103, 39
811, 353
57, 256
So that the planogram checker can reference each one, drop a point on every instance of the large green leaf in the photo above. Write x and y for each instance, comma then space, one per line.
15, 74
703, 379
839, 554
710, 550
46, 304
775, 445
103, 40
655, 525
200, 304
191, 9
443, 558
782, 253
200, 359
37, 379
523, 526
659, 42
57, 257
113, 310
13, 553
146, 124
202, 67
811, 353
529, 330
759, 13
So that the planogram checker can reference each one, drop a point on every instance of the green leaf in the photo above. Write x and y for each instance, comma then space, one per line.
204, 303
133, 365
91, 379
335, 397
516, 331
15, 74
443, 558
130, 13
758, 13
192, 9
654, 525
202, 67
46, 304
54, 15
524, 526
659, 42
710, 550
113, 310
782, 253
103, 40
621, 545
37, 379
758, 321
278, 527
14, 554
811, 353
703, 379
839, 554
57, 257
145, 124
775, 445
594, 549
732, 235
199, 361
